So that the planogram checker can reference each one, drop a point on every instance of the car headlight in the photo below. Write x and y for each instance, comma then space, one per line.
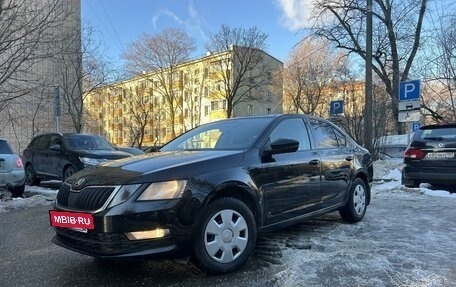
164, 190
123, 194
91, 161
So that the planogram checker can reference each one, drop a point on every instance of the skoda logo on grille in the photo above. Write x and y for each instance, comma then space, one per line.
79, 182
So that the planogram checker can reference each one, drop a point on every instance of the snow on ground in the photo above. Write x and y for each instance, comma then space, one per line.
33, 196
387, 178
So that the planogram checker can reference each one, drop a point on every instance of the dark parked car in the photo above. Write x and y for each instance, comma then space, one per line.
130, 150
12, 175
208, 192
153, 148
431, 156
58, 156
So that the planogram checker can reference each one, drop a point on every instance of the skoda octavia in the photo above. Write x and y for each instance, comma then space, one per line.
207, 193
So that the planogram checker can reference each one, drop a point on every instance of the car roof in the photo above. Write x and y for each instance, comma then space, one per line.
441, 126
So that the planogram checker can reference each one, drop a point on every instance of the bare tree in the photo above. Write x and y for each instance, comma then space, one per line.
155, 57
140, 113
396, 38
439, 68
25, 35
82, 69
310, 76
245, 70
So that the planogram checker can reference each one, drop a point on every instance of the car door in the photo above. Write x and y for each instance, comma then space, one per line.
336, 161
290, 182
38, 155
55, 157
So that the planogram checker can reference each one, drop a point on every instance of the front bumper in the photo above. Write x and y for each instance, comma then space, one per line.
108, 239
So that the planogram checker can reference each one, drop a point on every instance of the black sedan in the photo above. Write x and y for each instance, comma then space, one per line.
210, 191
431, 156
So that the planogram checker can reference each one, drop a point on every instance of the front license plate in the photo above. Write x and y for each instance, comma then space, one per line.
440, 155
74, 220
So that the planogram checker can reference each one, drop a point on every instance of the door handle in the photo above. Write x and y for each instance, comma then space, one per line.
349, 158
314, 162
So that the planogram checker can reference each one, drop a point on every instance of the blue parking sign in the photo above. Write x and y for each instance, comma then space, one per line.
409, 91
336, 107
415, 126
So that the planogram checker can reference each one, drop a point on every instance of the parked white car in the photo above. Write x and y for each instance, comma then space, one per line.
12, 174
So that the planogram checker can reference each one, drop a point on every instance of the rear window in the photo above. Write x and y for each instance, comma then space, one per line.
5, 148
438, 134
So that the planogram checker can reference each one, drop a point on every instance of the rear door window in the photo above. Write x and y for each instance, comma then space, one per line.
324, 134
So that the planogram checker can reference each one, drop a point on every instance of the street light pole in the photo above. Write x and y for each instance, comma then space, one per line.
57, 108
368, 80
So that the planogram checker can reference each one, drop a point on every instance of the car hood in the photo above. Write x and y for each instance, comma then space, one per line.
156, 167
102, 154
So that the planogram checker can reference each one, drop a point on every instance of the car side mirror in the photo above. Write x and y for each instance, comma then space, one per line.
284, 146
55, 147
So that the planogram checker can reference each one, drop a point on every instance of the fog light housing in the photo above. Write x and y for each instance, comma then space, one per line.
147, 234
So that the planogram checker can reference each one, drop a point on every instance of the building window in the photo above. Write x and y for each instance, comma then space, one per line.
214, 105
206, 111
249, 110
224, 104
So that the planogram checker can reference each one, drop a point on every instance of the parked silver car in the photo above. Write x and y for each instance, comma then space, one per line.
12, 174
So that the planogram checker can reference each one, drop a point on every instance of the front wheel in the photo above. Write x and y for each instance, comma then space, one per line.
226, 236
355, 208
69, 171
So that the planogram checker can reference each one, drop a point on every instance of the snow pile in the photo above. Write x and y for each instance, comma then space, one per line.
387, 170
387, 178
33, 196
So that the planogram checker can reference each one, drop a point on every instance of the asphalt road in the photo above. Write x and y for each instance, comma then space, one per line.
406, 239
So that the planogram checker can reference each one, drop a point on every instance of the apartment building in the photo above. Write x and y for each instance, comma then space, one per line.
153, 108
35, 82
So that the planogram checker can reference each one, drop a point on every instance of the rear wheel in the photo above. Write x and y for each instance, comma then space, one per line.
30, 176
226, 236
69, 171
17, 191
355, 209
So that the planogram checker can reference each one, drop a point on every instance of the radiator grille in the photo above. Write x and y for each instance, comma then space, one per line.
87, 199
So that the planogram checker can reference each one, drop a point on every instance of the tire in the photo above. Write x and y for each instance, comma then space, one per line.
69, 171
413, 184
225, 237
30, 176
355, 208
17, 191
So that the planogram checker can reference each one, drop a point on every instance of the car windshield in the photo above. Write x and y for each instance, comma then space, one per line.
87, 142
234, 134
